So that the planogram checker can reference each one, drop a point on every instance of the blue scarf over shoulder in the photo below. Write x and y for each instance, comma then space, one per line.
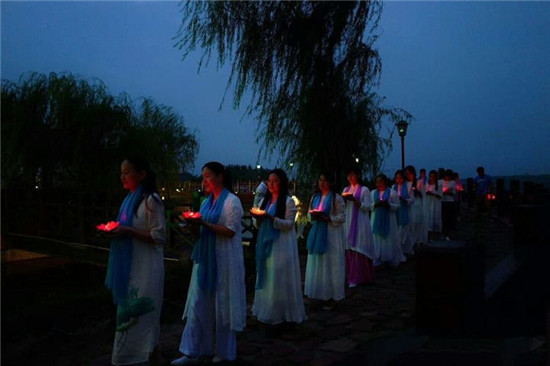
381, 221
317, 239
267, 234
120, 255
403, 212
204, 253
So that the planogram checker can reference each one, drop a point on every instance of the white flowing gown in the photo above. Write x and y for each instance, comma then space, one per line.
135, 344
326, 273
281, 298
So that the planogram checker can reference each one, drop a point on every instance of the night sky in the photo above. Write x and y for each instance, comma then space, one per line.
475, 75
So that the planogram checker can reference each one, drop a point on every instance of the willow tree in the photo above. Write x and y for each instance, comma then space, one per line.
311, 71
74, 133
159, 133
61, 127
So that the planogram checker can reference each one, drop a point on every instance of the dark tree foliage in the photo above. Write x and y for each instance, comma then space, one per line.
312, 72
71, 133
161, 133
247, 173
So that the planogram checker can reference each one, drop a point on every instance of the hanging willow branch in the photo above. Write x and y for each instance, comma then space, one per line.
311, 70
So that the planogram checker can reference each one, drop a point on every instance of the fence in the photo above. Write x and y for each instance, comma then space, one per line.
72, 215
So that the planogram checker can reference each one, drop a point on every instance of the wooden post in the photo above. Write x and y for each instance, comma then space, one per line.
526, 225
449, 286
502, 199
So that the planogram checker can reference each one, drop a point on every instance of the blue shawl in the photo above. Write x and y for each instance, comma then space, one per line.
381, 223
267, 234
317, 239
204, 253
120, 255
403, 212
352, 235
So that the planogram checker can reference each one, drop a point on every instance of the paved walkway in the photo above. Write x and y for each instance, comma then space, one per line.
374, 324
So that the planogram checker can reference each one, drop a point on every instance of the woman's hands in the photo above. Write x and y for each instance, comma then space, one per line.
261, 215
381, 203
319, 215
122, 230
351, 197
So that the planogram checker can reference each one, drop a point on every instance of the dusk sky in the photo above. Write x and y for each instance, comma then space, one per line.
475, 75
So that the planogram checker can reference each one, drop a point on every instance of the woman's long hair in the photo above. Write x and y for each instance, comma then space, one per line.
149, 183
283, 193
217, 169
402, 174
355, 169
413, 171
332, 187
384, 179
436, 179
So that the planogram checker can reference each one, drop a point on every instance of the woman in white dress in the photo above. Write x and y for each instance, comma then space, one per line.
216, 301
448, 204
385, 204
278, 297
358, 232
135, 273
432, 205
325, 269
418, 227
405, 195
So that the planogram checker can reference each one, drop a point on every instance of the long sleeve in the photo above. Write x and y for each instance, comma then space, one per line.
373, 195
287, 223
420, 187
232, 214
156, 220
393, 201
438, 191
366, 200
338, 213
410, 193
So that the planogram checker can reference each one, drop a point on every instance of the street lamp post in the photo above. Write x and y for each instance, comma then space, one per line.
402, 129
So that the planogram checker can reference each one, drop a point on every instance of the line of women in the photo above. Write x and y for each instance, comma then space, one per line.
351, 233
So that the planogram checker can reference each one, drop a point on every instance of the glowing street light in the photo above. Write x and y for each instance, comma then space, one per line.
402, 129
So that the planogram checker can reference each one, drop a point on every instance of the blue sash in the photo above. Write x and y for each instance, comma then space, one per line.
381, 223
120, 255
317, 239
204, 253
403, 212
267, 234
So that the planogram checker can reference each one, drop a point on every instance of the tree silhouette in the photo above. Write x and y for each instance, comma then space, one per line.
70, 132
312, 72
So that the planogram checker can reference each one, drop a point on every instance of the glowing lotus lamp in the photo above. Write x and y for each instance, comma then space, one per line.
192, 215
110, 226
257, 211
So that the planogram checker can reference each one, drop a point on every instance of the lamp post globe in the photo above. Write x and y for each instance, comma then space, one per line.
402, 130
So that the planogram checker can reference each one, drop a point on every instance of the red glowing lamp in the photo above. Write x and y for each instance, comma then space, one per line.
491, 197
192, 215
110, 226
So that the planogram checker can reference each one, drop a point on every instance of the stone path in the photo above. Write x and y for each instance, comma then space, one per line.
374, 324
383, 309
